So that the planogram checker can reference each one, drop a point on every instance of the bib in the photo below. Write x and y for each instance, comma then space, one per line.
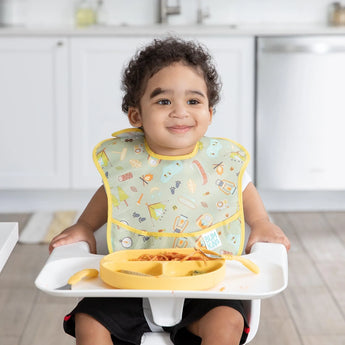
157, 201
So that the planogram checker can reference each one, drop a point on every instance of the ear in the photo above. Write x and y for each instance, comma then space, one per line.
134, 117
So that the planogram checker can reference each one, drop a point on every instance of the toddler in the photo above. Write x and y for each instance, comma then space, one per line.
166, 185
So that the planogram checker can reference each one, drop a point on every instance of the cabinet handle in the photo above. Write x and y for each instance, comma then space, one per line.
59, 43
311, 49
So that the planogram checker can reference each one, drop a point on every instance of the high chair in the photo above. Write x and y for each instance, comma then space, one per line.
162, 308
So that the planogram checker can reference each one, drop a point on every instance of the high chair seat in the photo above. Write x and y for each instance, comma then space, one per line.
166, 311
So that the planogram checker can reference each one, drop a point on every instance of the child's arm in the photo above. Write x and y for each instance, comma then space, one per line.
262, 230
93, 217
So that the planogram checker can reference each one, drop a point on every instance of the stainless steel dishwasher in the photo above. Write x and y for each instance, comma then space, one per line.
300, 116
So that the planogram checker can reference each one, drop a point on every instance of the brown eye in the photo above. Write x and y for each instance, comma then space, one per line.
164, 102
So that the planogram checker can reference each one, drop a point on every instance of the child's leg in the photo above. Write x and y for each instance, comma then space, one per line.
220, 326
88, 331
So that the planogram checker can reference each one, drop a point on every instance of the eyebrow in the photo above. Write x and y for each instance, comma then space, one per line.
159, 91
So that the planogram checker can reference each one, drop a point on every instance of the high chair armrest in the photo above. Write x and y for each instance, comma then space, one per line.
273, 252
77, 249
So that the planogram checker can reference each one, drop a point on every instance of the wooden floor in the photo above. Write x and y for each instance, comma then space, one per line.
311, 311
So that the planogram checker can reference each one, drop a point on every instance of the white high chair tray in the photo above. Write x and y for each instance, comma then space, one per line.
239, 282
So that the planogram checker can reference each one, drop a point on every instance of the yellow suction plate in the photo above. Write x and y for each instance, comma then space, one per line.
119, 270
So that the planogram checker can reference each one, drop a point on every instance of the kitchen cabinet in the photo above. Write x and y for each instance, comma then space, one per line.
96, 66
61, 96
96, 98
34, 140
234, 116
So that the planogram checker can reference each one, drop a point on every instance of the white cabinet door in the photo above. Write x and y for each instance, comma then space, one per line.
34, 113
96, 67
234, 117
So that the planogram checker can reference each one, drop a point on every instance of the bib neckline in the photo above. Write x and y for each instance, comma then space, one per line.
171, 158
157, 155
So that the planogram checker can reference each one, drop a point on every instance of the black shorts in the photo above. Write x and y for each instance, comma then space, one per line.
125, 320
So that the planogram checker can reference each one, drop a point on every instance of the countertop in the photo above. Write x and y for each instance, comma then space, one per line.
8, 239
156, 30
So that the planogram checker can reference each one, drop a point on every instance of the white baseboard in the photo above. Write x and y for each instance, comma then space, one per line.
303, 200
43, 200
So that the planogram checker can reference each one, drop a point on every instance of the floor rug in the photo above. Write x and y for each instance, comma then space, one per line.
43, 226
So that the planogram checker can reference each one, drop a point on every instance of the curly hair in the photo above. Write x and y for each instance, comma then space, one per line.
162, 53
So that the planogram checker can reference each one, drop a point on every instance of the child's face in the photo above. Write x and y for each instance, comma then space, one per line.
174, 110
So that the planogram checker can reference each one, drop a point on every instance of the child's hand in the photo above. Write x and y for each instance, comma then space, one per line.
265, 231
75, 233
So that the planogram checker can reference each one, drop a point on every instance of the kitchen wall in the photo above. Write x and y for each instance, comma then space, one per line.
144, 12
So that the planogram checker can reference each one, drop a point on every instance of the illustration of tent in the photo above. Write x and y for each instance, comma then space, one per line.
122, 195
156, 210
115, 201
102, 158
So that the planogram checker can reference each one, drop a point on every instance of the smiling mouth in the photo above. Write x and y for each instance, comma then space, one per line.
179, 129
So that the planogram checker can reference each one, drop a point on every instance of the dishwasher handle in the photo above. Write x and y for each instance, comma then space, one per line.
316, 48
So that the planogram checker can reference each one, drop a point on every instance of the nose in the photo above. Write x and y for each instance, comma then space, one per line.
179, 111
